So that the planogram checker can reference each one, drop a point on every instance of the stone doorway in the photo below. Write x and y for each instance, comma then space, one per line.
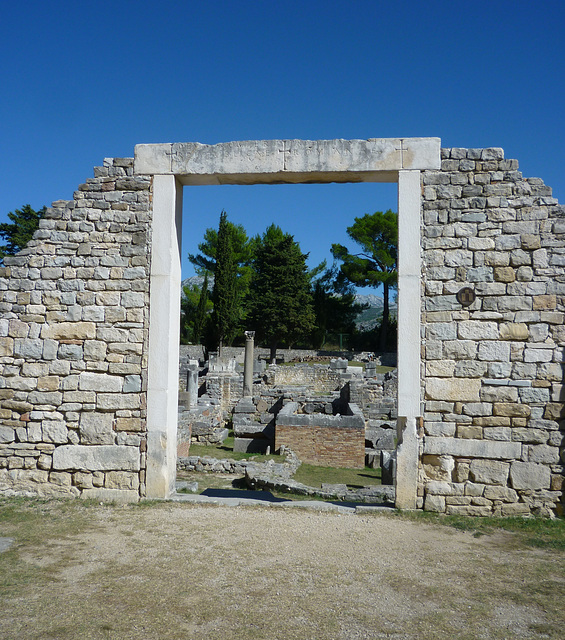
397, 160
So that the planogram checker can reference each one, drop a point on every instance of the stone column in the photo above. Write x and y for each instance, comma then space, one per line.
192, 383
248, 364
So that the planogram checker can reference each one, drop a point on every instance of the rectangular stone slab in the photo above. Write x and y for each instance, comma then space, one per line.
472, 448
280, 161
96, 458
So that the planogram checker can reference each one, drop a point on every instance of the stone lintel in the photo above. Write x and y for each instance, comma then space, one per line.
289, 161
467, 448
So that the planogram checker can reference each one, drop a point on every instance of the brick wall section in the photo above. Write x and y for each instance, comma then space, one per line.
73, 334
323, 440
493, 371
324, 447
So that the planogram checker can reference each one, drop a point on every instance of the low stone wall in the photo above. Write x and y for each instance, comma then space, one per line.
333, 441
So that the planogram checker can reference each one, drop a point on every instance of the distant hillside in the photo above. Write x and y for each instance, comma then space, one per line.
365, 321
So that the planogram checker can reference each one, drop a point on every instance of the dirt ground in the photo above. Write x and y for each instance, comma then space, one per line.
172, 571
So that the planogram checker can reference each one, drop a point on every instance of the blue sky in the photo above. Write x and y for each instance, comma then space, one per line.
81, 81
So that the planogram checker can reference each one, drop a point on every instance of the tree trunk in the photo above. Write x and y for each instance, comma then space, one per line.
384, 325
273, 353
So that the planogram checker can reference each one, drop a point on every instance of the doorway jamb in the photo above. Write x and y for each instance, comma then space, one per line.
408, 350
164, 330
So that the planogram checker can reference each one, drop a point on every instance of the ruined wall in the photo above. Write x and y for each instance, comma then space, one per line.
325, 440
74, 311
493, 371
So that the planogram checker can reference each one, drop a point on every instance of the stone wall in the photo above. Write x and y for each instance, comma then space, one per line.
73, 344
493, 370
325, 440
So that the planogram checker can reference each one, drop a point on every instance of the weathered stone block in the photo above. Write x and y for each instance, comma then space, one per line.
529, 476
110, 495
54, 431
472, 448
70, 331
489, 471
514, 331
453, 389
96, 458
434, 503
96, 428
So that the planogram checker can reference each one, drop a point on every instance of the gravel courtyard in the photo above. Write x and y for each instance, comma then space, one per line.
172, 571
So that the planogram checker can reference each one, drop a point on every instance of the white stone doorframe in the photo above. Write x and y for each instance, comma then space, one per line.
172, 166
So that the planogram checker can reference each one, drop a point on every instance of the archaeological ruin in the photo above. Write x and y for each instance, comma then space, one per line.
89, 328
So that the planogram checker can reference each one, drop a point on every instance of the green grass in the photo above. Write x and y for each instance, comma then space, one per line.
313, 476
225, 450
541, 533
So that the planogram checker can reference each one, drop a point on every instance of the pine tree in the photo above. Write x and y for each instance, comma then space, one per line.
224, 296
281, 300
375, 265
25, 222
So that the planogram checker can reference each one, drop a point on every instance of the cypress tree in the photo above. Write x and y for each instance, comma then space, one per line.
224, 295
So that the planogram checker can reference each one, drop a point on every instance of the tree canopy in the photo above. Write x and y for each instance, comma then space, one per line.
280, 297
17, 234
375, 264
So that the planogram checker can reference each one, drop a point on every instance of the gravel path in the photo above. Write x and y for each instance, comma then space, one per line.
197, 571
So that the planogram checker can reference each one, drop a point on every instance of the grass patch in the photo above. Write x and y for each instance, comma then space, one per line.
313, 476
224, 451
541, 533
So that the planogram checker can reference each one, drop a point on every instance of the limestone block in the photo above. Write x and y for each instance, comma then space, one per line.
511, 409
129, 424
470, 369
117, 401
514, 331
460, 349
441, 331
60, 478
543, 453
497, 433
7, 434
110, 495
96, 428
472, 432
439, 488
439, 428
494, 351
122, 480
545, 302
132, 299
132, 383
499, 394
96, 458
6, 347
515, 509
529, 476
505, 494
453, 389
440, 368
434, 503
554, 411
534, 395
100, 382
69, 331
477, 409
472, 448
538, 355
490, 471
54, 431
504, 274
477, 330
